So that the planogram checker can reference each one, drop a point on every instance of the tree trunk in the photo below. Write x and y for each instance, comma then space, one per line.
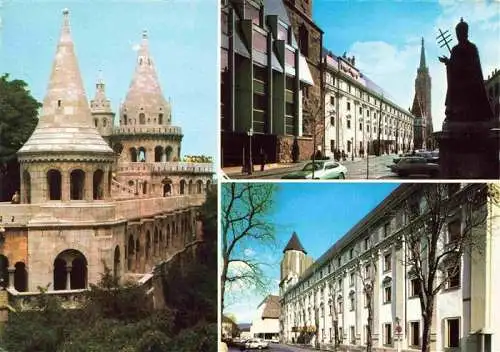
369, 343
336, 341
427, 324
223, 286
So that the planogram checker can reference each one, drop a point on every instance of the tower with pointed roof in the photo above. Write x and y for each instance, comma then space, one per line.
65, 158
295, 261
421, 107
100, 107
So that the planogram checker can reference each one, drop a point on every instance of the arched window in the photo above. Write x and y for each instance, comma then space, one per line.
209, 183
70, 270
142, 154
155, 242
182, 186
158, 153
167, 239
130, 255
160, 119
116, 263
77, 184
54, 183
118, 148
125, 119
98, 179
199, 186
133, 154
144, 187
20, 277
96, 122
148, 245
104, 122
167, 189
190, 187
26, 187
168, 153
142, 118
137, 253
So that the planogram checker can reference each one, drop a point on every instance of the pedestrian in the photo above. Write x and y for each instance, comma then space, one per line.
16, 198
263, 159
343, 155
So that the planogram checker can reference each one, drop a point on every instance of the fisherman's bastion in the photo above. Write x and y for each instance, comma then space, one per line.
96, 194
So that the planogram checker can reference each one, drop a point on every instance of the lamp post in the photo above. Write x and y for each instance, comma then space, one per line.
250, 162
2, 240
352, 148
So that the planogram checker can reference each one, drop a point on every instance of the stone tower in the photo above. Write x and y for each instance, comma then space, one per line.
100, 107
146, 132
422, 103
295, 261
65, 158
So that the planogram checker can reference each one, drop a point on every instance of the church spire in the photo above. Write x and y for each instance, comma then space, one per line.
422, 56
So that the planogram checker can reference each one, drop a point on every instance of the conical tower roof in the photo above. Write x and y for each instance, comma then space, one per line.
145, 90
294, 244
65, 124
422, 56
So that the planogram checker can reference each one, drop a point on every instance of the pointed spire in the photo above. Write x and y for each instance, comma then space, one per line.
422, 55
100, 103
65, 121
145, 94
294, 244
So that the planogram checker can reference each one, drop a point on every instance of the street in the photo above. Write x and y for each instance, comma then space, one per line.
356, 170
276, 347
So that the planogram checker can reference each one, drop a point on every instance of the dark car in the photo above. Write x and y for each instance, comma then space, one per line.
415, 165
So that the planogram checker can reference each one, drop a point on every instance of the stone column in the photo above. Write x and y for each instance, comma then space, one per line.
65, 188
88, 186
68, 277
11, 271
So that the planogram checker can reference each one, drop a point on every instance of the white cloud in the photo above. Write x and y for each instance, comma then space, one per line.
394, 68
249, 252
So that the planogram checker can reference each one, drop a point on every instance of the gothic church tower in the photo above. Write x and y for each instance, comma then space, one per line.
421, 107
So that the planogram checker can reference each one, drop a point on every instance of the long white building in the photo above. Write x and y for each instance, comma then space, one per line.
466, 312
355, 109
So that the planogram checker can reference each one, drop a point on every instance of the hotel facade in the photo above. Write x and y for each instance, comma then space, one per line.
330, 289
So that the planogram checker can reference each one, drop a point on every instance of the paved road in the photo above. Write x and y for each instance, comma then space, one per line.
274, 347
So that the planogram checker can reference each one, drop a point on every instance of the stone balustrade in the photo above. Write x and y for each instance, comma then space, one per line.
22, 301
164, 130
166, 167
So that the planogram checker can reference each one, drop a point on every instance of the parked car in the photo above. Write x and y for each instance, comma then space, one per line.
431, 157
323, 169
257, 344
415, 165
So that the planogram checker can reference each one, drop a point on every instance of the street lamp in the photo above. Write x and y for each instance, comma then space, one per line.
250, 163
352, 148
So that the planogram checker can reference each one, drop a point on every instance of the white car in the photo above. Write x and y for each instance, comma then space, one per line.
256, 343
323, 169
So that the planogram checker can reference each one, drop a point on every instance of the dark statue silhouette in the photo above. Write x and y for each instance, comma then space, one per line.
466, 98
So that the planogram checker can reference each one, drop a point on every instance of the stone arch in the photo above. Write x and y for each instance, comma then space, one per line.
145, 187
167, 187
20, 277
133, 154
26, 187
70, 270
141, 154
117, 263
4, 271
167, 239
54, 180
158, 153
148, 245
155, 242
118, 148
77, 184
130, 253
182, 188
161, 244
168, 153
199, 186
190, 187
137, 253
98, 180
160, 119
209, 183
142, 118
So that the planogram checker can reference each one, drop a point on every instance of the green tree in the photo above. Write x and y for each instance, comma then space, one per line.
18, 119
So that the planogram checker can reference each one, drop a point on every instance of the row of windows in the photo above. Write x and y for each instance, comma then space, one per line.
142, 120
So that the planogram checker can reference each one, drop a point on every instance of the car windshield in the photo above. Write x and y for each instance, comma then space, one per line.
313, 166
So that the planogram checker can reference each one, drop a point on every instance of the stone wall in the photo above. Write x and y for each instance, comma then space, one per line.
285, 147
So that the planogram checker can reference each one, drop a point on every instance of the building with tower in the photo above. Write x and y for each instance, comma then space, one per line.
329, 294
94, 194
421, 107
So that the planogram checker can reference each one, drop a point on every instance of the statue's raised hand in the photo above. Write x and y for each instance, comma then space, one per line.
444, 60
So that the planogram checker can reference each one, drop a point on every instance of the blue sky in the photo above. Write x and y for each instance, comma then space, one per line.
183, 43
384, 36
320, 213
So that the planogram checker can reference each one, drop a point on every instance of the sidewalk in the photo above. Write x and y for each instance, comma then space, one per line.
270, 169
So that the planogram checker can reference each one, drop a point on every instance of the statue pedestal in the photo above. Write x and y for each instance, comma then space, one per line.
469, 150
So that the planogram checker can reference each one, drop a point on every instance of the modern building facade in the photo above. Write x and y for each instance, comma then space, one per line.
493, 90
83, 205
263, 78
266, 322
421, 107
359, 114
332, 289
